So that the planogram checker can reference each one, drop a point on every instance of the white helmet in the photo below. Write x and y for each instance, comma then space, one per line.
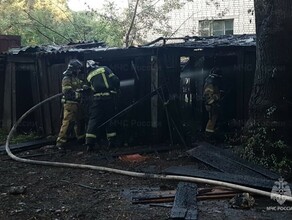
90, 64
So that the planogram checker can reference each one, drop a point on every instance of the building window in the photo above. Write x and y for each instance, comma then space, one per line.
215, 27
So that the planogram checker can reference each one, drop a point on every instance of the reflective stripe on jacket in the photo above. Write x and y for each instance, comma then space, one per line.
69, 86
103, 81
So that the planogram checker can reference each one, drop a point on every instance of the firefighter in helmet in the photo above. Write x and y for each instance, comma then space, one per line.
72, 116
212, 97
104, 85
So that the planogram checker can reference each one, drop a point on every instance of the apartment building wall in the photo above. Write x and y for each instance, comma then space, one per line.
186, 20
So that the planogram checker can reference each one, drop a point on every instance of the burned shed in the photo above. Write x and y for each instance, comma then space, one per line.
162, 80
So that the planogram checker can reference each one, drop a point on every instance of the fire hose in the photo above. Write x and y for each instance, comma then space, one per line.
126, 172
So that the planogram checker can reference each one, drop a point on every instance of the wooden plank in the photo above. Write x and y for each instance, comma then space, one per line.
2, 85
36, 99
219, 161
154, 99
54, 79
156, 195
7, 111
185, 202
44, 95
211, 150
138, 195
231, 178
13, 86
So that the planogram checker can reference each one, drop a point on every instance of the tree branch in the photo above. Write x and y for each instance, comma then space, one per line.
76, 28
132, 23
38, 30
45, 26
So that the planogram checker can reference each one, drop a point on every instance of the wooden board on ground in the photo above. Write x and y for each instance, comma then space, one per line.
224, 152
157, 195
185, 202
226, 177
218, 159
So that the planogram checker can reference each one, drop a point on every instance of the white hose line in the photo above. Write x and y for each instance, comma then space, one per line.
125, 172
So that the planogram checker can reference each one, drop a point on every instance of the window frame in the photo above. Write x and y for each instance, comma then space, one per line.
206, 27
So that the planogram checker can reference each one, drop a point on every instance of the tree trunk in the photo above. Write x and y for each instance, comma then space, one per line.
271, 99
132, 24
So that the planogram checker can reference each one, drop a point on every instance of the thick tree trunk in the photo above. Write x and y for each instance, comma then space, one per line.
271, 99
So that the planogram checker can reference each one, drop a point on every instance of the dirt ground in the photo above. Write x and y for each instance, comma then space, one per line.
63, 193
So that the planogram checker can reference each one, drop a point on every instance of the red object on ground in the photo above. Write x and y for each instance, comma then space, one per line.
132, 158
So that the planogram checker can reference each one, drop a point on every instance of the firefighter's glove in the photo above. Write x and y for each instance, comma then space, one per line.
85, 87
69, 95
78, 94
166, 103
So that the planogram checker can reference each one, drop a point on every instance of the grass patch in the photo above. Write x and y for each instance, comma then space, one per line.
17, 138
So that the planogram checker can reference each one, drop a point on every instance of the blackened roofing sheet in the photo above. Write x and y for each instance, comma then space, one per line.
50, 49
206, 42
184, 42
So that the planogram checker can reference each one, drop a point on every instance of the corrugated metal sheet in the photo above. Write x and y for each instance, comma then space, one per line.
206, 42
186, 42
55, 49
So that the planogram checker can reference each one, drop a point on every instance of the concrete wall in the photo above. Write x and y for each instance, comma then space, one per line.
186, 20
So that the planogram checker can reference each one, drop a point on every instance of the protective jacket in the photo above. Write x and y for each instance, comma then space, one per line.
211, 90
212, 97
103, 81
70, 87
72, 110
104, 84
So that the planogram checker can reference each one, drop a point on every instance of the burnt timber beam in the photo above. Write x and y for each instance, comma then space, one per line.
185, 202
8, 96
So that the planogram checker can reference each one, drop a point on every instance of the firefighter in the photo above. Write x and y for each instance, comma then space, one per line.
212, 97
72, 112
104, 85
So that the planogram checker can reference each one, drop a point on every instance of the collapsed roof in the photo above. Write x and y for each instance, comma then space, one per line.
184, 42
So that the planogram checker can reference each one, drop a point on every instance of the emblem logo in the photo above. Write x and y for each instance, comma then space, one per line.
279, 190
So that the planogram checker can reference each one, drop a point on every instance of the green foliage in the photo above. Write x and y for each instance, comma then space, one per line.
262, 147
52, 22
20, 138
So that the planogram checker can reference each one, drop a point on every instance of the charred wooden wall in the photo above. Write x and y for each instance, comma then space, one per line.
6, 42
176, 113
29, 80
2, 83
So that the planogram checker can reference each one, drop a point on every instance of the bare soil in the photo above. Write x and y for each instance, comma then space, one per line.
63, 193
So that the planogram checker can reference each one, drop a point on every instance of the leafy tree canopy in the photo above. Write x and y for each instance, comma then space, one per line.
52, 22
